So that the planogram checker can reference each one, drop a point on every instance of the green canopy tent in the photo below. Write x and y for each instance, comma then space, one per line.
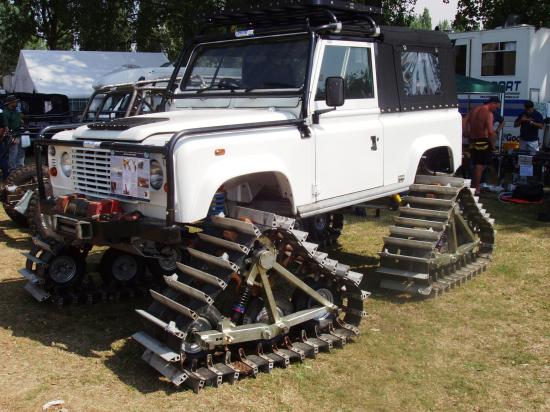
470, 85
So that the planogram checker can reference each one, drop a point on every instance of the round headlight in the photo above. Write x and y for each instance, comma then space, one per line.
51, 150
66, 165
156, 175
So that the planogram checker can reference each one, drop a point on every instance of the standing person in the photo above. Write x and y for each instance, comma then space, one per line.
4, 150
529, 123
14, 122
479, 128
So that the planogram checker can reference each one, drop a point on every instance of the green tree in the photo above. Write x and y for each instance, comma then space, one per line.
422, 21
444, 25
52, 21
104, 25
398, 12
167, 24
16, 30
473, 14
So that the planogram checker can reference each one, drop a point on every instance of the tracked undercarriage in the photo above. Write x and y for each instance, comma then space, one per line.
253, 294
440, 239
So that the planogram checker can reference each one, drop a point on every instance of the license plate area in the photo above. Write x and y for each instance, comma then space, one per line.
130, 176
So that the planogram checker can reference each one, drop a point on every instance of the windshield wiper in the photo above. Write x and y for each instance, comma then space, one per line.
212, 87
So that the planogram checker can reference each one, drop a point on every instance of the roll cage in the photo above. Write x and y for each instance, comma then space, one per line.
124, 100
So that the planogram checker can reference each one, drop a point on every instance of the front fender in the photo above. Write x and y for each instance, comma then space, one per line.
424, 143
199, 172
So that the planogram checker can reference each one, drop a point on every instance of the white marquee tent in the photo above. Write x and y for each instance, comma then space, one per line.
73, 73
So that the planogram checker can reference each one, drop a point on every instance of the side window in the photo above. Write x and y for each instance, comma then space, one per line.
498, 59
354, 65
421, 73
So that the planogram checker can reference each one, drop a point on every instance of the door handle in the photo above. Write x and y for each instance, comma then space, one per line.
374, 146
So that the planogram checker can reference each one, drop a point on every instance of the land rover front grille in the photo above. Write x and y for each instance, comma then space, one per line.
92, 171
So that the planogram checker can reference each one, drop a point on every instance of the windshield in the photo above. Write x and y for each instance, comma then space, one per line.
258, 64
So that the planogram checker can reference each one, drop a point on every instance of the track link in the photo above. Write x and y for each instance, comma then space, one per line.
190, 343
441, 238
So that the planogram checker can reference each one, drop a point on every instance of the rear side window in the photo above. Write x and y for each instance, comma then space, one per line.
354, 65
421, 73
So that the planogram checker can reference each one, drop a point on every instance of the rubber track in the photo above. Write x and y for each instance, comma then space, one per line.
417, 262
167, 329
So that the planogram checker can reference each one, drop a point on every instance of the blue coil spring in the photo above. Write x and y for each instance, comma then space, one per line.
218, 204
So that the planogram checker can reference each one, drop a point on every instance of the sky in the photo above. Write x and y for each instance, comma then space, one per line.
438, 10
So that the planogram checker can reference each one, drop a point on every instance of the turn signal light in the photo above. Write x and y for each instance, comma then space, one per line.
166, 187
219, 152
53, 171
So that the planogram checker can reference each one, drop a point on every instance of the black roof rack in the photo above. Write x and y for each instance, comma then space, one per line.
329, 15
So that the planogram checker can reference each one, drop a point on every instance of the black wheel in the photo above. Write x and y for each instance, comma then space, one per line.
167, 264
21, 177
122, 268
328, 290
66, 269
325, 228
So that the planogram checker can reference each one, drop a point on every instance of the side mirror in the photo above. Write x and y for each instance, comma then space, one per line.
334, 96
334, 91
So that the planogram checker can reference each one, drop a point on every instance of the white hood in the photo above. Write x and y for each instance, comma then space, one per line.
177, 121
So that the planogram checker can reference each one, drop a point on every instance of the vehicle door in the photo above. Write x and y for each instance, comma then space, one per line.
348, 140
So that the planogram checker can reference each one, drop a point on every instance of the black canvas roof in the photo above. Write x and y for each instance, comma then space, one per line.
396, 35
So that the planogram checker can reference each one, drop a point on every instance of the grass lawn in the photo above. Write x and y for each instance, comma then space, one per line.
484, 346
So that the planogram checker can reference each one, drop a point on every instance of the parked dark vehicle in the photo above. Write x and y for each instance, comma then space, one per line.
47, 114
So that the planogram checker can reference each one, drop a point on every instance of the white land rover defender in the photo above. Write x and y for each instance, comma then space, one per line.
309, 107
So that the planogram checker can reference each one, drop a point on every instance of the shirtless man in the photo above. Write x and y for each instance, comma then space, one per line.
478, 127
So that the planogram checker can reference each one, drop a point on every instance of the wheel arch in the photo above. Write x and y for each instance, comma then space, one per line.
241, 186
435, 149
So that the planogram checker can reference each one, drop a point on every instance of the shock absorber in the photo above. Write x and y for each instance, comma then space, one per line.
240, 306
217, 206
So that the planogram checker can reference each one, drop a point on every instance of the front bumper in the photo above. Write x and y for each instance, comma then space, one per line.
108, 232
